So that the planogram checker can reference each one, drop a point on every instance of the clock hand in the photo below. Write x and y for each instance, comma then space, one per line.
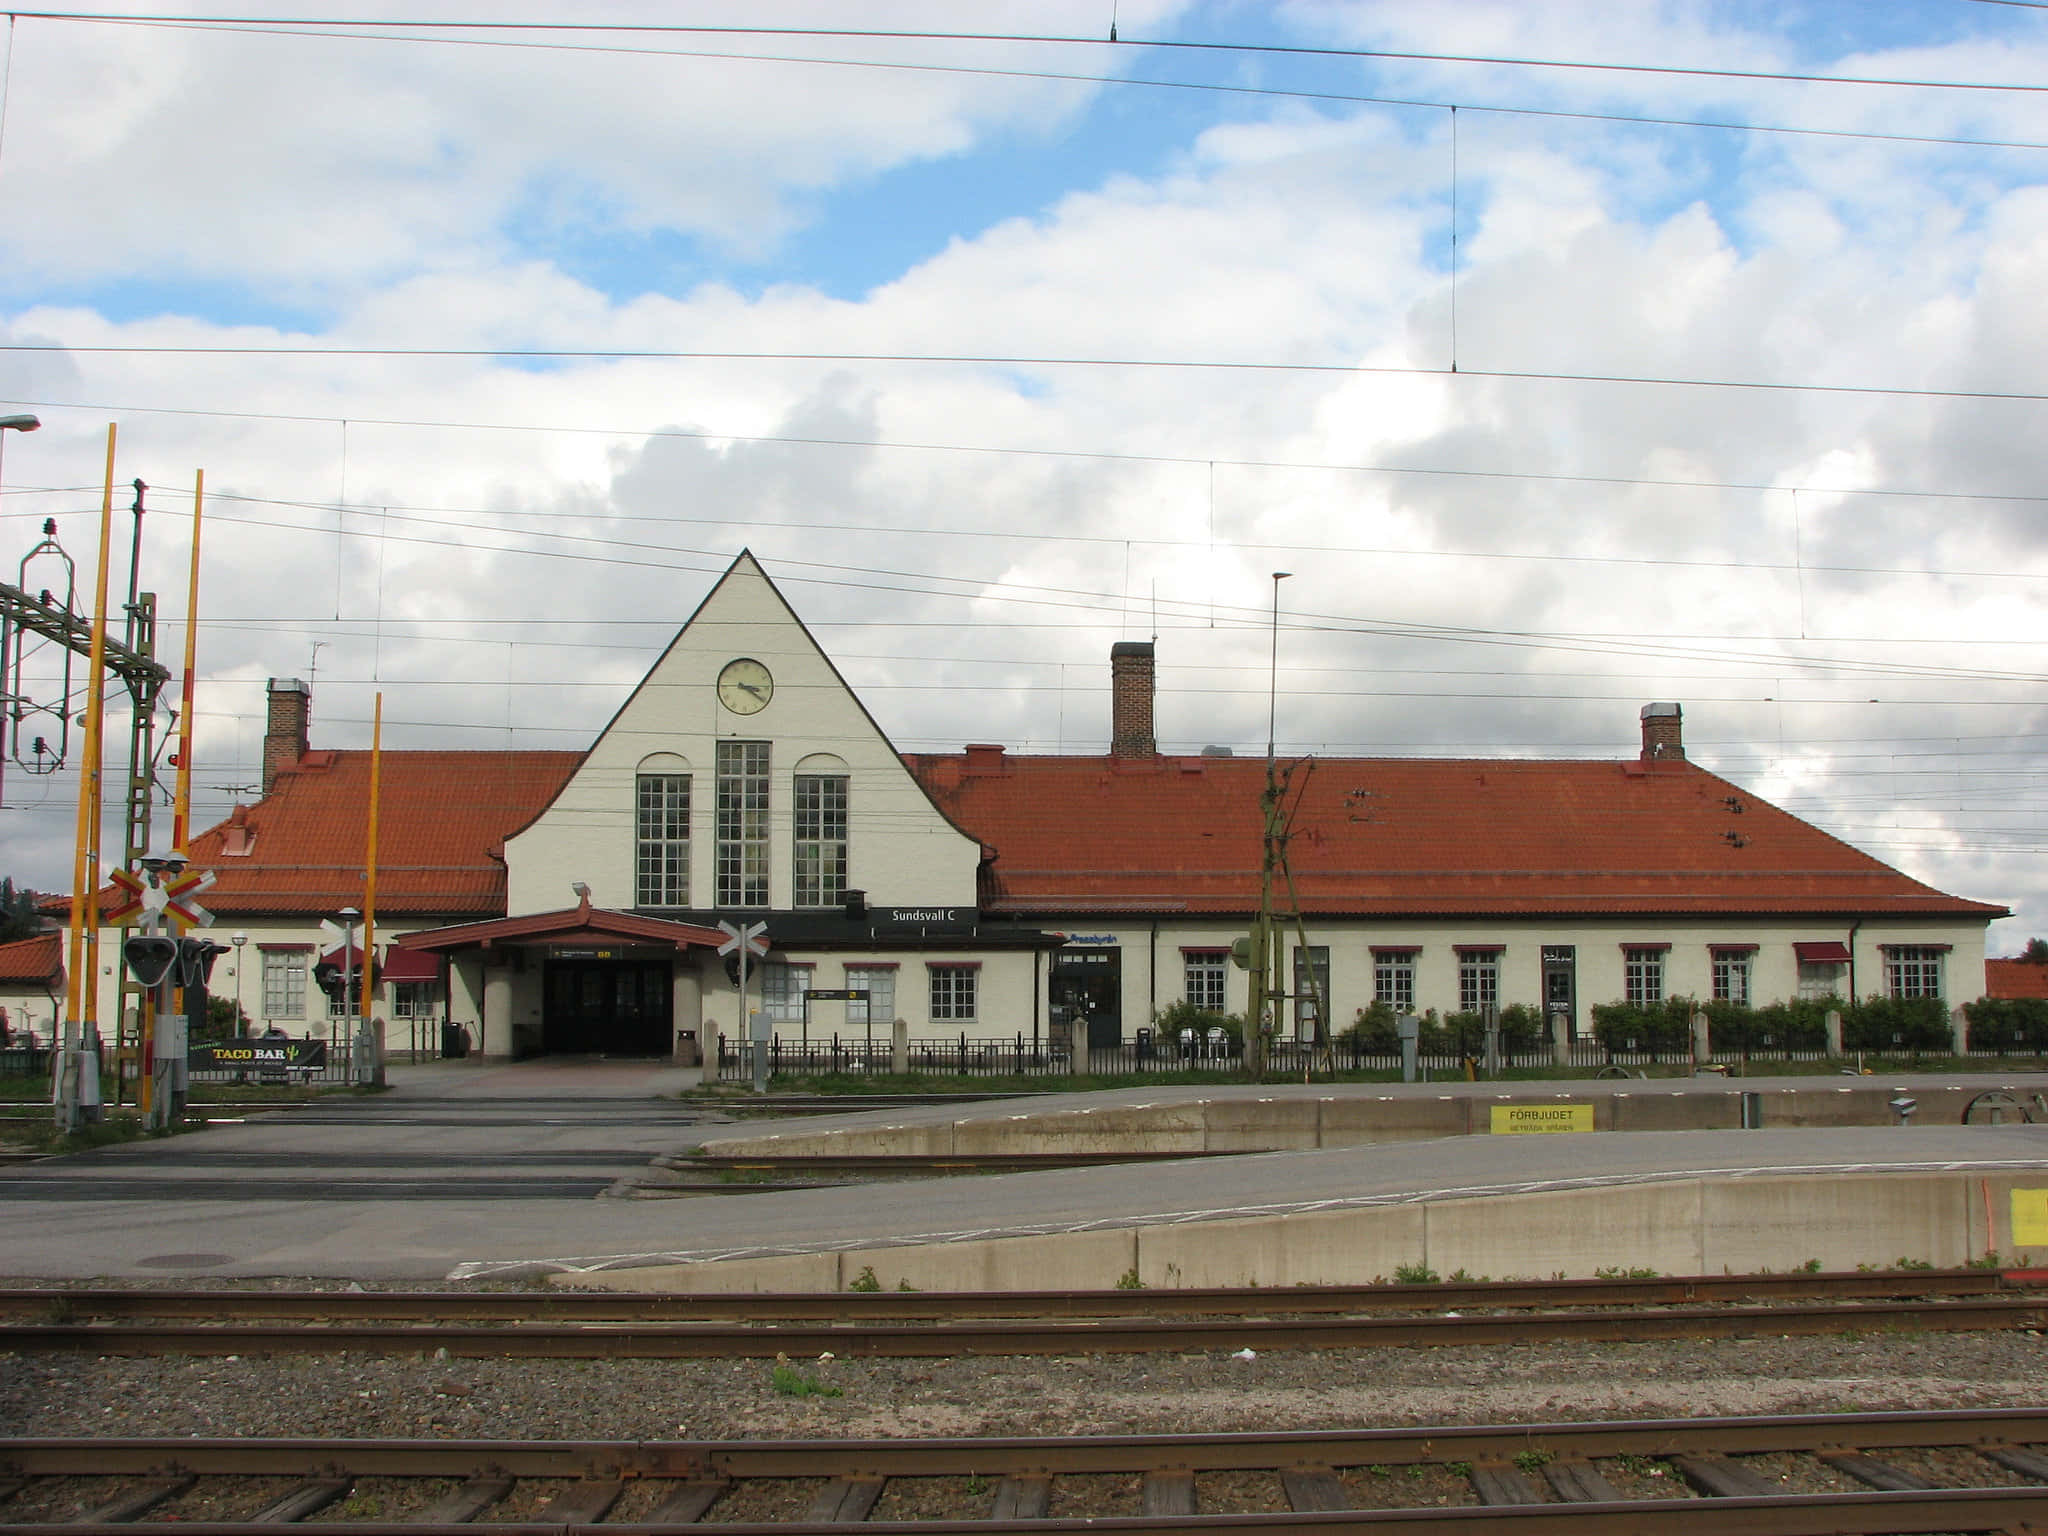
754, 689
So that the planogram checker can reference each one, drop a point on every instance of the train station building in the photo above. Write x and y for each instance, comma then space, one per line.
573, 901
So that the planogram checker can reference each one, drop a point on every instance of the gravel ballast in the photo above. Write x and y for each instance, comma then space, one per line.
407, 1397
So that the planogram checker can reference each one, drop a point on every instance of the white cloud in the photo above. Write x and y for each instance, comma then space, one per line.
1658, 523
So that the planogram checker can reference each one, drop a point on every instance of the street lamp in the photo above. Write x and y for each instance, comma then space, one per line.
16, 424
238, 939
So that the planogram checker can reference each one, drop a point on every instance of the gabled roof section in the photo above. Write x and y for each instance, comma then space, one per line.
36, 962
1407, 836
442, 821
2015, 978
744, 567
582, 923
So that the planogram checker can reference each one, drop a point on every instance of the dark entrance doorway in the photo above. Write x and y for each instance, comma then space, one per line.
606, 1007
1087, 990
1561, 987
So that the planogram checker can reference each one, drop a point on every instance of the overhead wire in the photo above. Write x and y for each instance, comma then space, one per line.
1127, 44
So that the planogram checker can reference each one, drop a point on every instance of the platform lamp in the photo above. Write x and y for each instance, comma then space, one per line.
17, 424
238, 939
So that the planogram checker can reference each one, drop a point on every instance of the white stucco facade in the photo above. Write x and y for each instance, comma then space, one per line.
905, 853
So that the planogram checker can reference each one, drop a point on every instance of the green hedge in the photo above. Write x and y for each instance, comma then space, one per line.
1662, 1029
2016, 1024
1892, 1024
1374, 1031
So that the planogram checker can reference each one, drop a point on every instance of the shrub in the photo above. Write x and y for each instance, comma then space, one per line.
1662, 1029
1178, 1019
2008, 1023
1800, 1025
1372, 1031
1914, 1024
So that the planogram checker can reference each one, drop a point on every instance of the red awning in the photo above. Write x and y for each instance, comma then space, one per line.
1822, 952
411, 965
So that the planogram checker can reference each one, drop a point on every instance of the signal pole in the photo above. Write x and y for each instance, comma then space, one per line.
1265, 960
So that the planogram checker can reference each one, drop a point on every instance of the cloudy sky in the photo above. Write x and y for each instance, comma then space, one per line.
1712, 374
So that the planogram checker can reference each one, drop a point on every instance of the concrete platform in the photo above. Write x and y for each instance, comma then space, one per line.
1273, 1118
492, 1173
1350, 1184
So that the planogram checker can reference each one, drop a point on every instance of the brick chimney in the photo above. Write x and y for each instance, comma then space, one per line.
1130, 706
1663, 732
291, 717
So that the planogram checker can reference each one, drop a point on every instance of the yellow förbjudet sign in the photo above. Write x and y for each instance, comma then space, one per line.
2030, 1218
1540, 1119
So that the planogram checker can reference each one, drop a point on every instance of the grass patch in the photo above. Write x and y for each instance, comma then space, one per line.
788, 1381
115, 1129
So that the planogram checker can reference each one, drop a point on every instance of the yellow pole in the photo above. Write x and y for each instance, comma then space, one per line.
78, 1083
181, 806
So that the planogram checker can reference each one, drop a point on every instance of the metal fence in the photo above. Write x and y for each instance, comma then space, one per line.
1020, 1056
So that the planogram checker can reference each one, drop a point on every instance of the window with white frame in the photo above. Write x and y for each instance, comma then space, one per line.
662, 840
1642, 976
1732, 975
820, 835
1820, 979
1311, 982
879, 982
954, 992
782, 991
284, 983
346, 1000
1393, 978
742, 824
1478, 980
1203, 975
1913, 970
415, 999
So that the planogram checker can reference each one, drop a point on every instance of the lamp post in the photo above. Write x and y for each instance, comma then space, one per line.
16, 424
238, 939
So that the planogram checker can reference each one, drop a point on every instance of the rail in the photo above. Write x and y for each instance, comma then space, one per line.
1961, 1471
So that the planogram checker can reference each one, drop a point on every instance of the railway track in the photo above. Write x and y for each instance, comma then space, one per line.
1862, 1473
586, 1325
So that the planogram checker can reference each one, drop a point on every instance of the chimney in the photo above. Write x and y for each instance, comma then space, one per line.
1663, 732
291, 716
1130, 706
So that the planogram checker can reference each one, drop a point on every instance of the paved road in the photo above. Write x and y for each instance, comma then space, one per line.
494, 1170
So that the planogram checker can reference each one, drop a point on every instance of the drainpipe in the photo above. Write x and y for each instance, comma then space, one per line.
1037, 986
1853, 994
1152, 980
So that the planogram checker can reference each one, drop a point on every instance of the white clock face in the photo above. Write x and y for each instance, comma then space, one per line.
745, 686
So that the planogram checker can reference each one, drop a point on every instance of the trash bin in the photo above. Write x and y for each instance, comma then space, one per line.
687, 1053
454, 1041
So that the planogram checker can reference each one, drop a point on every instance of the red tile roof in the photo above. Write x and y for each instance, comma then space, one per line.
2015, 978
1407, 836
1371, 836
442, 821
38, 961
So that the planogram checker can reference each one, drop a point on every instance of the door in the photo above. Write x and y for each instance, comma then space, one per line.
1561, 988
606, 1008
1087, 992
